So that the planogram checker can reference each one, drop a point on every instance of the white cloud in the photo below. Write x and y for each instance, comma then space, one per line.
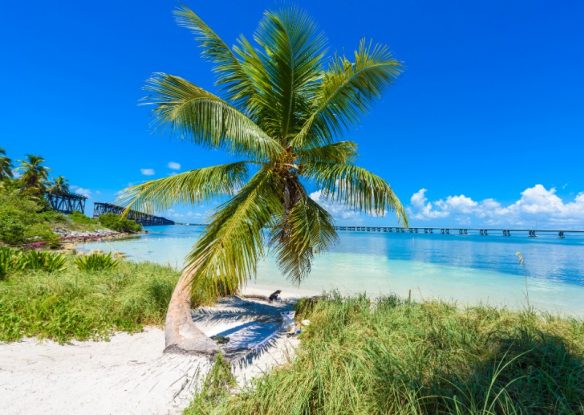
188, 215
81, 191
536, 206
148, 172
337, 210
173, 165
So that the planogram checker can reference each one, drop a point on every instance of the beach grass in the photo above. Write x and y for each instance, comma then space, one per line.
85, 304
393, 357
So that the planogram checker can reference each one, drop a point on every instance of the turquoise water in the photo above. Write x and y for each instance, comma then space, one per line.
465, 269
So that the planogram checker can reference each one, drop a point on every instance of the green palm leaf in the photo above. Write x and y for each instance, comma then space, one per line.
190, 187
206, 118
340, 152
226, 255
231, 74
356, 187
347, 90
303, 232
293, 50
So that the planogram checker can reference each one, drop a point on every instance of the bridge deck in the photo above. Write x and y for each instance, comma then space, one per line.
459, 230
142, 218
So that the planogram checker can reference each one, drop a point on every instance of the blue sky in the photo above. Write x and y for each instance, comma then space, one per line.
488, 116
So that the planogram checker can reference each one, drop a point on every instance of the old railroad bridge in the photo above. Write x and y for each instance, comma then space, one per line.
142, 218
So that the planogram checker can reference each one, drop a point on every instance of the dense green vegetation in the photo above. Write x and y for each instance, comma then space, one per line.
79, 304
398, 358
118, 223
25, 220
80, 301
25, 215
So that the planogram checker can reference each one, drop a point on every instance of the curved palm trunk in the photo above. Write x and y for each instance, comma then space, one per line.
181, 334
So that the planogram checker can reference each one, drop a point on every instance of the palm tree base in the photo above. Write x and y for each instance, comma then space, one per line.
181, 333
188, 339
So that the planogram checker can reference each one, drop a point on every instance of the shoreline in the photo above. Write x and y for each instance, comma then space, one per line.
71, 239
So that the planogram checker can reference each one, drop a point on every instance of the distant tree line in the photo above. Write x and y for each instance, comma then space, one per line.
26, 217
31, 177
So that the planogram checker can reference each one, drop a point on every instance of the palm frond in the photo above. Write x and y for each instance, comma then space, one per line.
304, 231
347, 90
206, 118
356, 188
339, 152
190, 187
292, 53
226, 255
231, 75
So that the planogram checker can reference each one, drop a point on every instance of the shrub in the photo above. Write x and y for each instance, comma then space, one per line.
6, 262
52, 216
41, 232
12, 227
81, 219
119, 223
40, 260
96, 261
22, 220
12, 260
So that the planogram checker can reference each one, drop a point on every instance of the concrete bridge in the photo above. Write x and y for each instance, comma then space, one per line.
532, 233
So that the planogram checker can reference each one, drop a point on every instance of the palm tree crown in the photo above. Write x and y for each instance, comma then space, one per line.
283, 104
34, 175
5, 165
60, 185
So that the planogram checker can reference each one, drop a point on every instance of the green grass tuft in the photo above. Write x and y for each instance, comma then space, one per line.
96, 261
217, 386
391, 357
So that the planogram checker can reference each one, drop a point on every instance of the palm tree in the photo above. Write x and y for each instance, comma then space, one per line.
5, 165
34, 175
60, 185
282, 105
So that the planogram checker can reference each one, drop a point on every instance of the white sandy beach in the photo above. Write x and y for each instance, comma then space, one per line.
127, 375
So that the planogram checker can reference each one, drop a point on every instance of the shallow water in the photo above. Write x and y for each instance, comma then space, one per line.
465, 269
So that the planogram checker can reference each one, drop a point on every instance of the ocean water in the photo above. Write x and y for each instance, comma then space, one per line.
467, 270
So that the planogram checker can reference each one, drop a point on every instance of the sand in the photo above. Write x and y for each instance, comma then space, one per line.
127, 375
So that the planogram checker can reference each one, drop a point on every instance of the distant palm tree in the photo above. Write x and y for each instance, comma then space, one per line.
60, 185
5, 165
283, 105
34, 175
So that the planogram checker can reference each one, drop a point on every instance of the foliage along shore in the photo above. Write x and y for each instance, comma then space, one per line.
26, 217
64, 297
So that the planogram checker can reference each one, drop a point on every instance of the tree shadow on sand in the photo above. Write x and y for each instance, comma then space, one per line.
257, 326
